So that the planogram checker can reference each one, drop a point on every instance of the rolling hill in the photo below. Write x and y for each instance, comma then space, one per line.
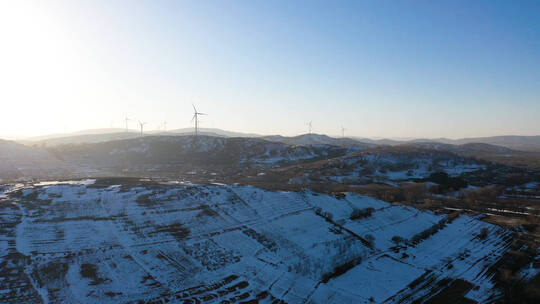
318, 139
515, 142
20, 162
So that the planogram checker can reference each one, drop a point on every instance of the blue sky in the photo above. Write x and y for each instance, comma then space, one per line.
379, 68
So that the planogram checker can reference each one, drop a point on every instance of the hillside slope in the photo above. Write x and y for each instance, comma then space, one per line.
22, 162
318, 139
100, 242
180, 155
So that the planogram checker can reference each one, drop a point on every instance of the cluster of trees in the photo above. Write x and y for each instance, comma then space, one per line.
327, 215
361, 213
411, 193
396, 239
417, 238
483, 233
445, 182
508, 279
485, 194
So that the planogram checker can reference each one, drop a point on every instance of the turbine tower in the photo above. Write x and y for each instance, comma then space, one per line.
127, 119
196, 117
165, 126
142, 125
343, 131
309, 126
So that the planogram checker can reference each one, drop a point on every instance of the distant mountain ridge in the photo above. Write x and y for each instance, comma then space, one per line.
464, 149
208, 131
515, 142
77, 133
318, 139
103, 135
524, 143
19, 161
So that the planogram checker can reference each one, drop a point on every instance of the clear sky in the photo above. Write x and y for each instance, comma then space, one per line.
379, 68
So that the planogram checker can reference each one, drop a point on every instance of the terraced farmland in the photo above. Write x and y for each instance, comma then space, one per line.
99, 242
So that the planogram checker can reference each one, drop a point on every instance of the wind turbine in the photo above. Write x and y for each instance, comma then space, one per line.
165, 126
142, 125
196, 117
309, 125
343, 131
127, 119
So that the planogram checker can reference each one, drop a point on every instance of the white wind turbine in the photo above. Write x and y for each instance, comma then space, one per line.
127, 119
343, 131
142, 125
309, 126
196, 117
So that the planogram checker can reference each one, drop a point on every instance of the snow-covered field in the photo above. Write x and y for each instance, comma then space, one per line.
86, 242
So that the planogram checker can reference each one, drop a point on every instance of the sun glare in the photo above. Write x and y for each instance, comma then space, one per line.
39, 63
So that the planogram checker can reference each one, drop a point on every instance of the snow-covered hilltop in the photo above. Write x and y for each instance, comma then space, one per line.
129, 241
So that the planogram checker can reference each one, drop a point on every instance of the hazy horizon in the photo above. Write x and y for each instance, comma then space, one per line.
380, 69
203, 129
